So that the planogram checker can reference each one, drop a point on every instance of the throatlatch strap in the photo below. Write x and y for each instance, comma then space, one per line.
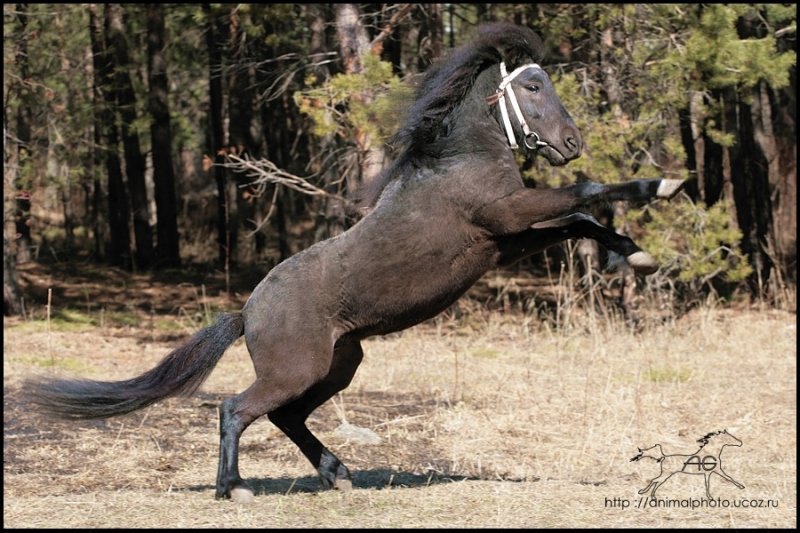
505, 85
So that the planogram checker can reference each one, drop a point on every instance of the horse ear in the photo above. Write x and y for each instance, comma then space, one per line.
514, 58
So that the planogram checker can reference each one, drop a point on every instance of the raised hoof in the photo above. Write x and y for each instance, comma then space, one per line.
667, 189
344, 485
642, 263
242, 495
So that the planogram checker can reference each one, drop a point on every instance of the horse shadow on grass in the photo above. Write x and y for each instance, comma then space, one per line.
378, 479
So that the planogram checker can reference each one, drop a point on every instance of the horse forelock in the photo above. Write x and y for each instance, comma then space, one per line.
445, 86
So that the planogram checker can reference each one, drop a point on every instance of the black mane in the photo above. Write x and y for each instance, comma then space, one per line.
445, 85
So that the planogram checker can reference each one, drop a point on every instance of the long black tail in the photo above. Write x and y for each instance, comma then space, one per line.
180, 373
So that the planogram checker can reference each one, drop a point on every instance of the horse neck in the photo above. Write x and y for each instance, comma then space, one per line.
475, 132
477, 127
485, 86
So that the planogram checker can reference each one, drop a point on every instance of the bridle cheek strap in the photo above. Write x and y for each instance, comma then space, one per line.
505, 87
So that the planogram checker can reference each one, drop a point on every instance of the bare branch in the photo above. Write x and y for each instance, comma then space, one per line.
788, 29
260, 224
264, 171
377, 43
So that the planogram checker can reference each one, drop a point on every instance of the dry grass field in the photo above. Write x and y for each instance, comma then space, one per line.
488, 420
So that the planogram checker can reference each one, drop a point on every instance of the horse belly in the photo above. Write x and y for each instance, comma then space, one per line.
412, 288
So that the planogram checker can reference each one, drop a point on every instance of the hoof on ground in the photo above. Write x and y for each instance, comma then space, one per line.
344, 485
642, 263
242, 495
667, 189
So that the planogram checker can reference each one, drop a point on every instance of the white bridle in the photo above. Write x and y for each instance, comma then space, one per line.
505, 86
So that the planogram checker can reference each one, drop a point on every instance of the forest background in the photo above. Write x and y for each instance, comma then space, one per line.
176, 138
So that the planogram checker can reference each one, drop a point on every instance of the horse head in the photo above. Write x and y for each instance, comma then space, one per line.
728, 439
722, 436
657, 455
530, 111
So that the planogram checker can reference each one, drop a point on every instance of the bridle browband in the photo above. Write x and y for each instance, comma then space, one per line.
505, 86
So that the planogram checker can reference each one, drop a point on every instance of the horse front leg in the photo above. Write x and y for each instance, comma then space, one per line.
524, 207
576, 226
727, 477
708, 485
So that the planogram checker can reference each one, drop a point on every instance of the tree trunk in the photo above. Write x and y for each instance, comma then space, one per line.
134, 161
216, 139
94, 191
331, 220
431, 35
729, 120
107, 144
784, 191
66, 204
696, 123
354, 44
167, 246
611, 84
59, 150
12, 297
782, 179
22, 182
241, 102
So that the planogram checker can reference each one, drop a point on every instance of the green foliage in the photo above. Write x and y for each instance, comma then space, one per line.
359, 102
656, 57
694, 244
659, 55
637, 142
714, 48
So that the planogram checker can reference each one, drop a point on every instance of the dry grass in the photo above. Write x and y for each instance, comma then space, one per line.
491, 420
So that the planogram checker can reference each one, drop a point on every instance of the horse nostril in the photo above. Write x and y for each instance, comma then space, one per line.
573, 144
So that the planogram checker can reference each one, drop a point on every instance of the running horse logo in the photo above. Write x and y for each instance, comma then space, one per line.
706, 460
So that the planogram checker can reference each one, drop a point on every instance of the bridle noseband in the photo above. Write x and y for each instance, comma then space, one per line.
505, 86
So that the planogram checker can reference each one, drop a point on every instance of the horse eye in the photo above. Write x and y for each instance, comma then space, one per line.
533, 88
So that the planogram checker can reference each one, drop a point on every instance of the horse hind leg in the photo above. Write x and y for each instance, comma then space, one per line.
290, 376
235, 415
656, 484
648, 487
291, 418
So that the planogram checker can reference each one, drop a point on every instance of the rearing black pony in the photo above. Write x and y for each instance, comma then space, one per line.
452, 206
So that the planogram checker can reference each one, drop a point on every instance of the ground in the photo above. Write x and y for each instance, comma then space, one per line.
485, 419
